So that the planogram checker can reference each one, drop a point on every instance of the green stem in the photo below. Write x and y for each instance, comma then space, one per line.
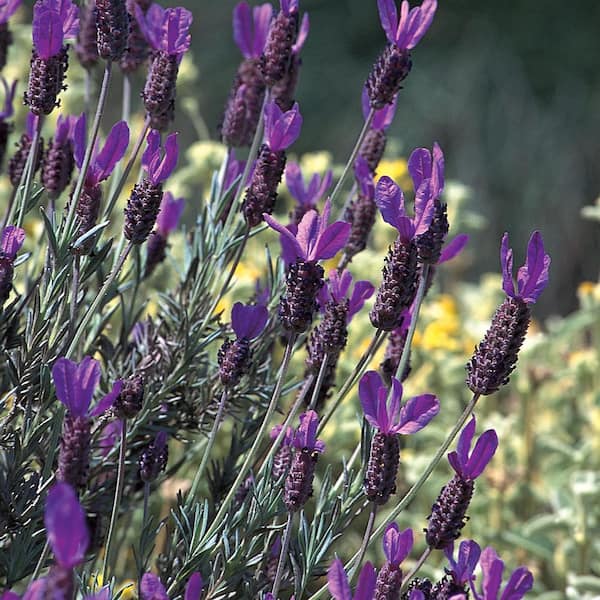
365, 542
416, 568
143, 530
74, 294
29, 171
287, 536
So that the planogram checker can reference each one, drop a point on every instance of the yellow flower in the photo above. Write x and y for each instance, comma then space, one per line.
247, 272
396, 169
315, 162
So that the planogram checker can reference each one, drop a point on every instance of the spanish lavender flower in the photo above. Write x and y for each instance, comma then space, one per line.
394, 63
168, 218
395, 347
193, 588
247, 322
137, 49
75, 384
7, 10
144, 201
519, 583
101, 166
373, 145
151, 588
361, 211
390, 421
461, 573
330, 336
314, 241
400, 273
283, 92
447, 516
86, 46
154, 457
112, 28
307, 197
5, 114
283, 457
298, 484
58, 160
130, 400
281, 38
496, 356
281, 131
16, 165
396, 547
242, 112
339, 586
53, 21
168, 33
11, 242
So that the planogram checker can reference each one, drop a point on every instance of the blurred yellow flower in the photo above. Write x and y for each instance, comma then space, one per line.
315, 162
396, 169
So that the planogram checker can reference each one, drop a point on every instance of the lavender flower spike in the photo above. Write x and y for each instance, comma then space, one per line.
151, 588
519, 583
112, 28
306, 196
154, 458
339, 586
396, 547
11, 242
58, 161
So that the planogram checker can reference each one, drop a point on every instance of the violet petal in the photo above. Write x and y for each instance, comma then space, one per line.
419, 166
248, 321
519, 583
242, 28
47, 32
388, 16
285, 232
532, 277
112, 152
332, 240
390, 200
194, 586
176, 38
453, 248
337, 581
427, 12
491, 568
151, 588
506, 261
417, 413
107, 401
170, 213
262, 15
75, 383
12, 240
483, 452
365, 588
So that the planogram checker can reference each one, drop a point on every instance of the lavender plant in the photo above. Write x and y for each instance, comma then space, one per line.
174, 460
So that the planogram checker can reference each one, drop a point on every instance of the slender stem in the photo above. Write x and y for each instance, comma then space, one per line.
117, 498
234, 265
143, 530
208, 449
413, 322
87, 92
29, 170
283, 555
361, 136
74, 294
126, 106
344, 260
365, 542
319, 382
91, 143
9, 208
416, 568
96, 303
257, 440
40, 562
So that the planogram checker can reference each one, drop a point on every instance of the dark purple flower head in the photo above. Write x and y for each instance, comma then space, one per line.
104, 161
12, 241
160, 165
289, 6
470, 465
424, 166
306, 195
248, 320
306, 434
390, 200
75, 384
166, 30
250, 28
394, 419
53, 21
338, 288
9, 95
453, 248
520, 582
532, 277
194, 586
314, 239
407, 31
66, 526
396, 544
339, 586
462, 569
151, 588
383, 117
8, 9
364, 177
171, 209
281, 128
65, 129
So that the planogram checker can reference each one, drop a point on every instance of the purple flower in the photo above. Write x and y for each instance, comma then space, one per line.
166, 30
250, 28
424, 166
469, 465
532, 277
288, 438
314, 239
248, 320
8, 9
288, 6
306, 195
12, 241
75, 384
9, 95
338, 289
339, 586
53, 20
407, 31
103, 594
281, 128
396, 544
8, 595
302, 34
390, 200
109, 436
194, 586
394, 419
158, 165
104, 161
170, 213
463, 567
306, 434
65, 129
453, 248
151, 588
519, 583
234, 169
383, 117
66, 526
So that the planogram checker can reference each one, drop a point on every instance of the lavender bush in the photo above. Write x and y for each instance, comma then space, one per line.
125, 374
